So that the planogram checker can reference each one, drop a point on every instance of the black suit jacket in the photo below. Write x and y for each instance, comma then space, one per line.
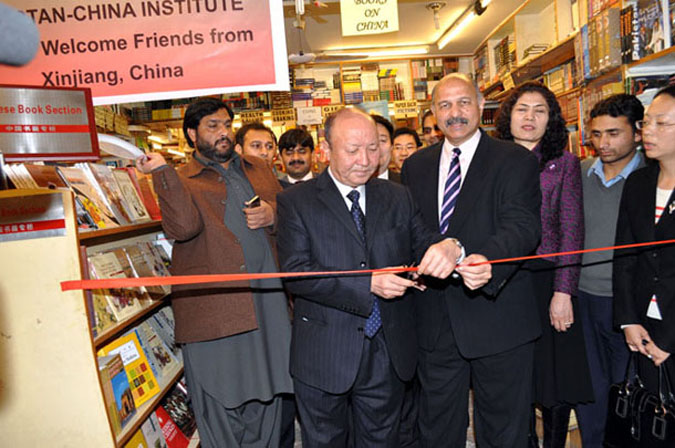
640, 273
497, 215
316, 233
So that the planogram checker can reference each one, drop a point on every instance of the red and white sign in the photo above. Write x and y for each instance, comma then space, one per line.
141, 50
31, 216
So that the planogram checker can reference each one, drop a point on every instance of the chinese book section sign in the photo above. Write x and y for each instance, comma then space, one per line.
142, 50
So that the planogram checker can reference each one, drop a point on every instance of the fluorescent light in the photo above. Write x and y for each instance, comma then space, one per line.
375, 53
175, 152
455, 30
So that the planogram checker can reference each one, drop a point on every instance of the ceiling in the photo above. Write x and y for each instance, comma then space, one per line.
416, 26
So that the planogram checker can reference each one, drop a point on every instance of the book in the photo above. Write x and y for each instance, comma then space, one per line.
145, 192
163, 323
137, 441
651, 27
172, 435
142, 261
162, 361
87, 194
116, 391
177, 405
142, 381
123, 302
45, 176
158, 261
153, 432
108, 187
130, 272
137, 210
20, 176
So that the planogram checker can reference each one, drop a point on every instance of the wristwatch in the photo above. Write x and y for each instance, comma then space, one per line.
462, 255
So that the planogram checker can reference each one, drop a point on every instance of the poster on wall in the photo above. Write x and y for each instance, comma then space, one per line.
143, 50
362, 17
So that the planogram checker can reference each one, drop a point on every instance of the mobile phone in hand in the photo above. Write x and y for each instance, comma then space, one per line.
253, 202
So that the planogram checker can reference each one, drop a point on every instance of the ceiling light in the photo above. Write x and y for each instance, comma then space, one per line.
154, 138
175, 152
435, 7
474, 9
378, 52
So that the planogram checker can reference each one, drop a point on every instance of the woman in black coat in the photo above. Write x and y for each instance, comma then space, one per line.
644, 278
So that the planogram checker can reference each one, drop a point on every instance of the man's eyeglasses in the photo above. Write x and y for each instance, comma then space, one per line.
427, 130
660, 125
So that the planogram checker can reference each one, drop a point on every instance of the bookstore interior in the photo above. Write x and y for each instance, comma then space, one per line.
100, 367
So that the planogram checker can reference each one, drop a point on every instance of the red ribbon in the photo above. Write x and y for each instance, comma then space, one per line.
212, 278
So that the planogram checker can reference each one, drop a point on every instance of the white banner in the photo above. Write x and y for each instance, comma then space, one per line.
361, 17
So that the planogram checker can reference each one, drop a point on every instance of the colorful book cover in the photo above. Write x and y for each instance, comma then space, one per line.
137, 210
116, 391
139, 257
161, 359
172, 435
46, 176
130, 272
177, 405
90, 196
144, 190
143, 383
123, 302
106, 180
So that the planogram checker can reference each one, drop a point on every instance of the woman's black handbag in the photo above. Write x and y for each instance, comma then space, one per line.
637, 417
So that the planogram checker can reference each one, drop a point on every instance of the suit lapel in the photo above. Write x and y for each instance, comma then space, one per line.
330, 196
429, 182
474, 182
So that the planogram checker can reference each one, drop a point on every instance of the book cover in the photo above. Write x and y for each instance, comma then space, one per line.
104, 317
140, 259
651, 27
123, 302
157, 352
104, 176
153, 432
144, 190
177, 405
45, 176
137, 210
116, 391
130, 272
137, 441
143, 383
81, 185
163, 324
172, 435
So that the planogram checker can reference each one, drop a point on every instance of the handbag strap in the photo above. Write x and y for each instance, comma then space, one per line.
632, 376
666, 397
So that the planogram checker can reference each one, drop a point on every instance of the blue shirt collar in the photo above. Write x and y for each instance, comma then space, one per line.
629, 168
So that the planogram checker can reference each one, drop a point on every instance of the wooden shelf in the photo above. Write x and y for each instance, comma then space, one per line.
94, 237
143, 412
662, 62
114, 331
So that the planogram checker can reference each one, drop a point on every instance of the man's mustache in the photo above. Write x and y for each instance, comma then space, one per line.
222, 140
456, 120
297, 162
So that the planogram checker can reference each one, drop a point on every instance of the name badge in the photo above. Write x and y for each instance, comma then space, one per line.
653, 311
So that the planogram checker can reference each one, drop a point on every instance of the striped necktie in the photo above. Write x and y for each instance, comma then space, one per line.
451, 191
374, 321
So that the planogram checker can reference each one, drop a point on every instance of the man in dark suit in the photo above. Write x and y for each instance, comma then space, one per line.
385, 134
353, 341
479, 329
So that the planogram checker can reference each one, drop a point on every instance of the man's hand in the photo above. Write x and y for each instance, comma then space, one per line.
258, 217
561, 312
389, 286
440, 259
149, 162
635, 334
475, 276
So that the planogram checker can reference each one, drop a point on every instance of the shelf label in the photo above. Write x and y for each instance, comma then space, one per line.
360, 17
405, 109
309, 115
141, 50
327, 111
31, 216
283, 116
255, 116
508, 83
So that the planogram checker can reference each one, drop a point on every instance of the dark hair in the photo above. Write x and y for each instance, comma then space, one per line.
256, 126
669, 90
408, 131
621, 105
198, 110
554, 141
294, 137
426, 114
379, 119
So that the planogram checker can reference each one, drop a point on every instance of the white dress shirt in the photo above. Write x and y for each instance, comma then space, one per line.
468, 149
292, 181
346, 189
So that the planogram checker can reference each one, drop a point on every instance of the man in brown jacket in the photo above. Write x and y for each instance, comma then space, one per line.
235, 336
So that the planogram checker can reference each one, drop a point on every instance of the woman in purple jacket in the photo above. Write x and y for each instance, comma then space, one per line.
531, 117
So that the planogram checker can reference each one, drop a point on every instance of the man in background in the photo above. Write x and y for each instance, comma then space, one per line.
235, 336
295, 148
256, 139
615, 138
385, 133
430, 130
